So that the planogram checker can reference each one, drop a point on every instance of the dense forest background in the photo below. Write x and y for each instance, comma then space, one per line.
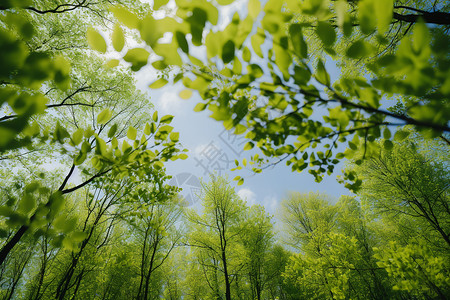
86, 208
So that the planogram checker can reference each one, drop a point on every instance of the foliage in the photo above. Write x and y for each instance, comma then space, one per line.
264, 56
101, 221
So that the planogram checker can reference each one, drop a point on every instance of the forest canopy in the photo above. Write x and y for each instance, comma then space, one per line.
86, 206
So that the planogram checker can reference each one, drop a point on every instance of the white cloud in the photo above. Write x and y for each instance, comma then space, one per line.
271, 203
199, 149
169, 103
247, 195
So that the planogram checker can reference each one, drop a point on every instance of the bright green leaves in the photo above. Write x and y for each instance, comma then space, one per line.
131, 133
149, 31
321, 74
174, 136
326, 33
411, 265
137, 57
344, 19
104, 116
421, 37
340, 115
400, 135
185, 94
166, 119
118, 39
383, 14
125, 16
96, 40
200, 107
254, 8
360, 49
112, 63
367, 18
158, 3
297, 40
257, 40
159, 83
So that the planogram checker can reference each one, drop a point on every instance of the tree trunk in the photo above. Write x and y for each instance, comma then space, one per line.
12, 242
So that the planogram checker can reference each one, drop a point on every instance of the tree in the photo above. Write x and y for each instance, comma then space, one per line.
89, 145
337, 246
257, 241
407, 188
270, 63
156, 237
216, 233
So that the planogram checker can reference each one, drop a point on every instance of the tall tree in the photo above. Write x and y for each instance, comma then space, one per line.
216, 232
67, 95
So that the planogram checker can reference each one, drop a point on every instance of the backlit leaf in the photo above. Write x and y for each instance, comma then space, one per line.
96, 40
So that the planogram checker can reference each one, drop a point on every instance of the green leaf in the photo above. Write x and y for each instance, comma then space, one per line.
112, 131
421, 36
182, 42
249, 146
240, 129
388, 145
100, 147
367, 16
387, 133
158, 164
166, 119
200, 106
155, 116
131, 133
197, 21
257, 40
118, 39
225, 2
60, 133
359, 49
104, 116
77, 136
158, 83
147, 129
112, 63
185, 94
322, 75
326, 33
137, 57
383, 12
158, 3
27, 203
96, 40
246, 54
183, 156
297, 40
254, 8
123, 15
400, 135
228, 51
174, 136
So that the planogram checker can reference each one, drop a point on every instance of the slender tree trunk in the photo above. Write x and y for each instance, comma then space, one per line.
227, 279
12, 242
78, 281
42, 270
